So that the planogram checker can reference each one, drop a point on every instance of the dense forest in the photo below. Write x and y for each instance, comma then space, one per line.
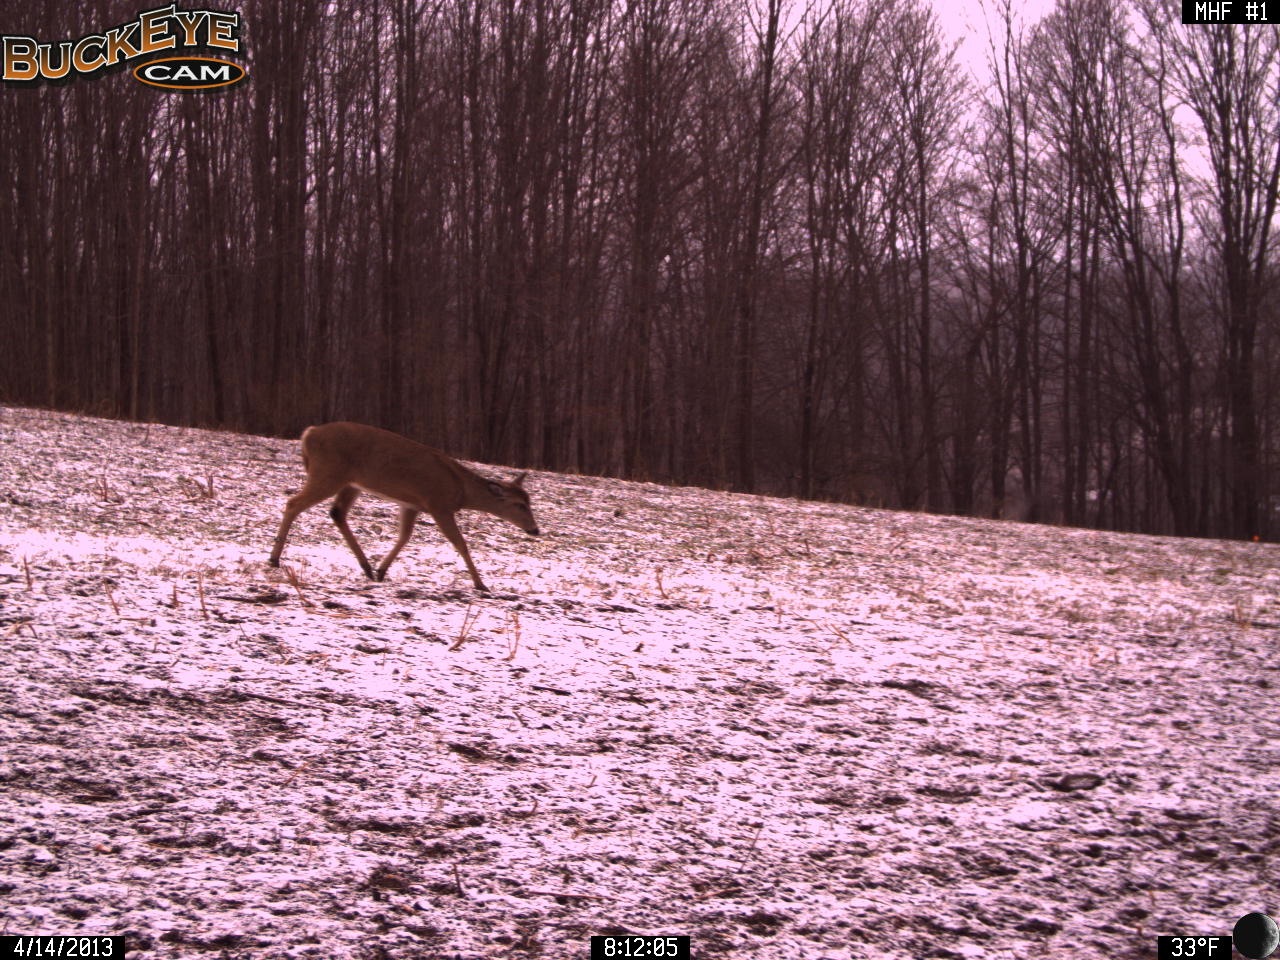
777, 248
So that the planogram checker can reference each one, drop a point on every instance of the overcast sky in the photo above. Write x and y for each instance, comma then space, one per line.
966, 21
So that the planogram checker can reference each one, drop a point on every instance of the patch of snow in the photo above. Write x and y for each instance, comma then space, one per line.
785, 729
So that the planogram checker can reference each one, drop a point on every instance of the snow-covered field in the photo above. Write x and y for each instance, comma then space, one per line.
788, 730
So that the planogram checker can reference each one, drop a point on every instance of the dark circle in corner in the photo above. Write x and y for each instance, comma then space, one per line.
1256, 936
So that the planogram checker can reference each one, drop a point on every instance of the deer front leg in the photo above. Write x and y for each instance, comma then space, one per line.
449, 527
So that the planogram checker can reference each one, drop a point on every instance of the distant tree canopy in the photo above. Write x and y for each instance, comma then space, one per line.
721, 243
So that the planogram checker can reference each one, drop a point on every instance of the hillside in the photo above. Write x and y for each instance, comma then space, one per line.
788, 730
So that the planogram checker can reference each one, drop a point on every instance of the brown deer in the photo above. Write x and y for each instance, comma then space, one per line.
344, 458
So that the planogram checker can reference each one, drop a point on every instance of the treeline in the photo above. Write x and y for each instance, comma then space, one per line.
719, 242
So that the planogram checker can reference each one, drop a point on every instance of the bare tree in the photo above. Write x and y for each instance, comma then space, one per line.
662, 238
1230, 78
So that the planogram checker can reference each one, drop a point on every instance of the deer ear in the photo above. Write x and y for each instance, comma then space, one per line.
518, 479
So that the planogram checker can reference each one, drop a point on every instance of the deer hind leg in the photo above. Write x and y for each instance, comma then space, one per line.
449, 527
408, 516
304, 499
338, 513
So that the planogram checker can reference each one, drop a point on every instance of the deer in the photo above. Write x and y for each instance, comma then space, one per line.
343, 459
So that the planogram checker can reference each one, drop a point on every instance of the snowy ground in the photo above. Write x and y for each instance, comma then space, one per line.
788, 730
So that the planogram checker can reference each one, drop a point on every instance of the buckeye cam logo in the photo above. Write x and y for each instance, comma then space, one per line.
190, 73
26, 60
